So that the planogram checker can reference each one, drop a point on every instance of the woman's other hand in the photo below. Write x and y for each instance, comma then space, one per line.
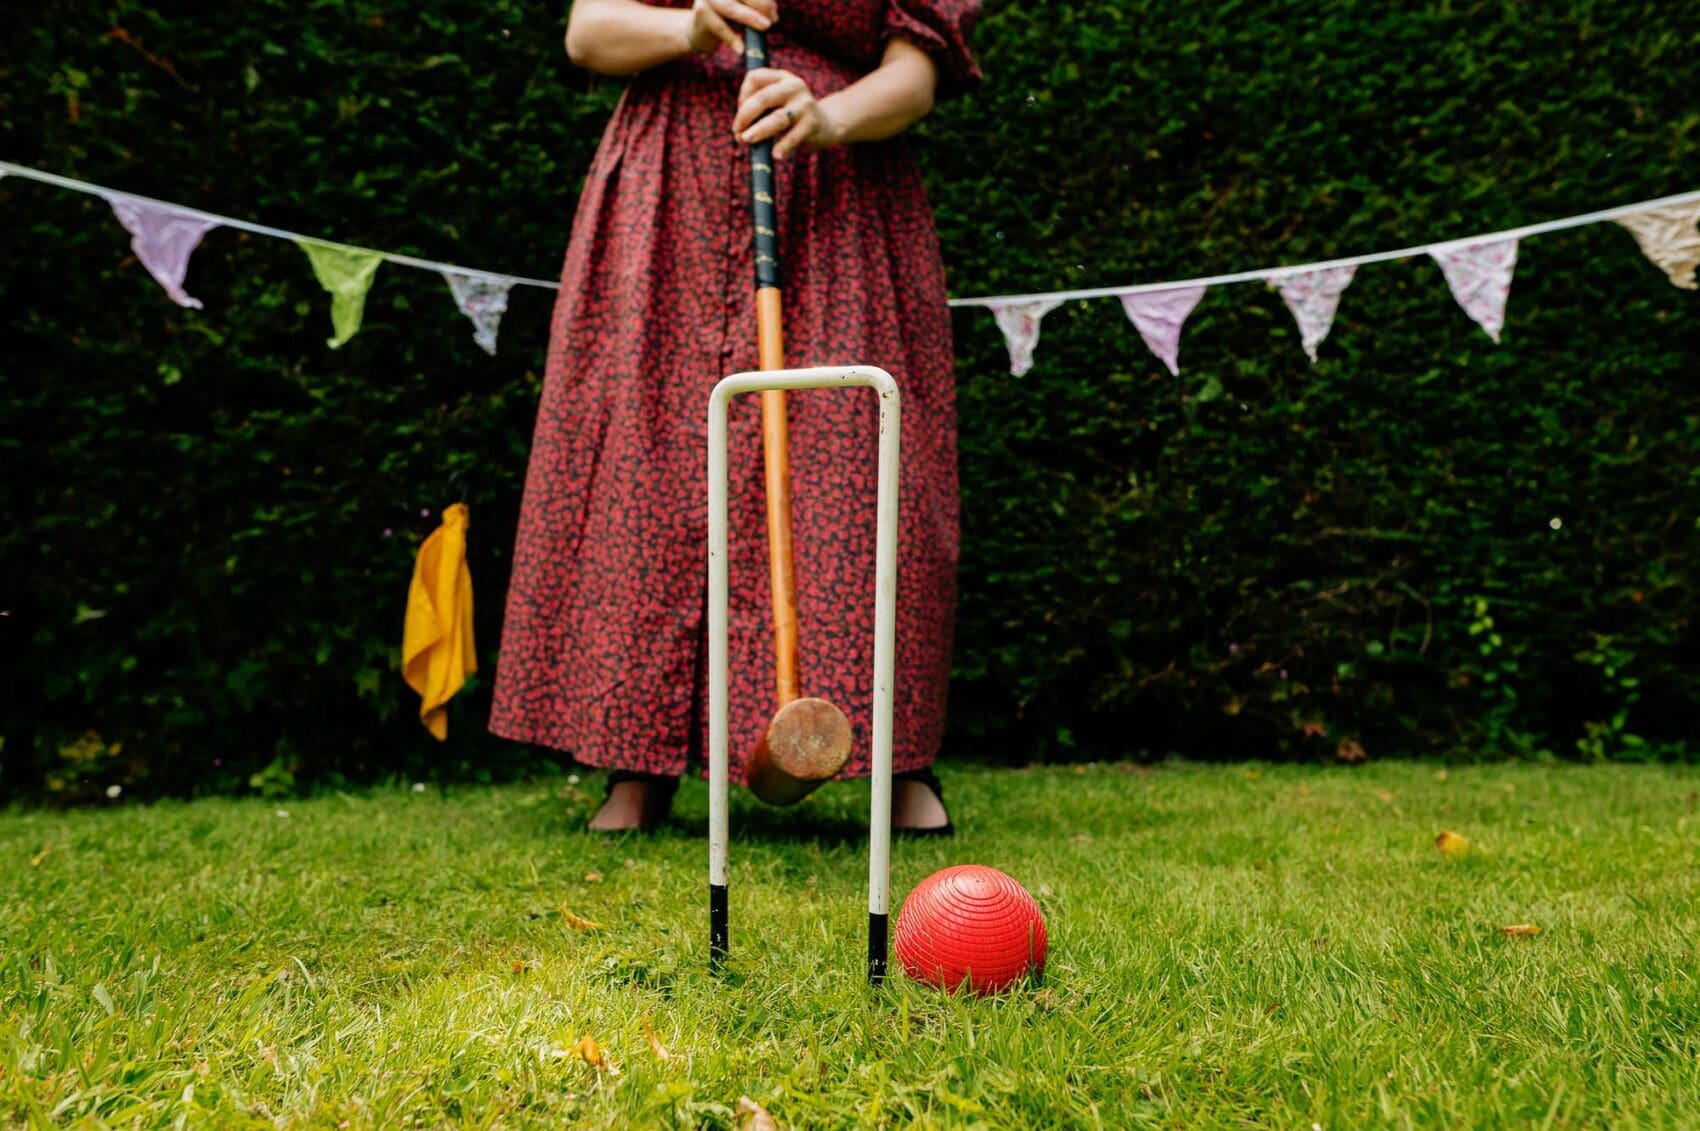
777, 104
712, 20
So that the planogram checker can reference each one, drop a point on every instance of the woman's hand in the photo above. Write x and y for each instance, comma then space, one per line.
778, 104
712, 20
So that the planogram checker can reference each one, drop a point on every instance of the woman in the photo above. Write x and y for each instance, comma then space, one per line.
603, 650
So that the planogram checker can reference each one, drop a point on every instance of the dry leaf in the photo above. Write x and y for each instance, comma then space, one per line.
35, 861
757, 1118
1351, 751
655, 1044
1520, 930
593, 877
1385, 794
587, 1051
1311, 728
1451, 844
578, 923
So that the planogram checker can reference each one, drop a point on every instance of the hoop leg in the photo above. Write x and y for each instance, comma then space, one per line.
718, 770
885, 636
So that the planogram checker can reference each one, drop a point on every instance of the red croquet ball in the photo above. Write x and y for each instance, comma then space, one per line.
970, 923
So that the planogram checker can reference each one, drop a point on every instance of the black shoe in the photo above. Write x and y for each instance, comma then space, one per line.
929, 779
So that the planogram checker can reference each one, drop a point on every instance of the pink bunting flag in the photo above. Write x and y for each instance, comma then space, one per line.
1480, 277
1314, 297
482, 300
1019, 322
163, 238
1159, 316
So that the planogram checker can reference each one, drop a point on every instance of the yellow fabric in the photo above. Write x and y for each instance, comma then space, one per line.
436, 651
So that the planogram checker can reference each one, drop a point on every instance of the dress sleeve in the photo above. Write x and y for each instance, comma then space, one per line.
940, 28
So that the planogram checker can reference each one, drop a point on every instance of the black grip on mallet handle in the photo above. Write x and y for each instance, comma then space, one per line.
761, 180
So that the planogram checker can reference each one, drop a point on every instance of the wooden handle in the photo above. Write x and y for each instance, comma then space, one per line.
776, 453
776, 432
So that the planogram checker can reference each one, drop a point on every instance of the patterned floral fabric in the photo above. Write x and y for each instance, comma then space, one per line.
603, 650
1670, 237
1313, 297
1019, 322
1480, 277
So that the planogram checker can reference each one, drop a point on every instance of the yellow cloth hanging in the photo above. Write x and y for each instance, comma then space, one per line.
436, 650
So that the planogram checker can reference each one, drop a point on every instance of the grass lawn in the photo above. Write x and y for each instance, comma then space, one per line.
1230, 947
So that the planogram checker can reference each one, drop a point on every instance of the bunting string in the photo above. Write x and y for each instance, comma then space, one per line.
1478, 271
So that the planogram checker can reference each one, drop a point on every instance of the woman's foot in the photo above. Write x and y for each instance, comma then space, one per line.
635, 802
917, 805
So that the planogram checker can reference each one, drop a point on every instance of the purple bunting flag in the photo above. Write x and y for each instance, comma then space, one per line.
1159, 316
163, 238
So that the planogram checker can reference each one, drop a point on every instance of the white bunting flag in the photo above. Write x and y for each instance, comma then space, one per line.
1480, 277
1313, 297
1670, 237
482, 300
1019, 322
163, 239
1159, 316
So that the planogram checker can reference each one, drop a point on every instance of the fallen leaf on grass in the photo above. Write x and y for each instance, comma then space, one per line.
587, 1051
1385, 794
1520, 930
593, 877
35, 861
755, 1116
578, 922
1351, 751
655, 1044
1451, 844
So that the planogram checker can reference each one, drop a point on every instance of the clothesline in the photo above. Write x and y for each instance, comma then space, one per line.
1265, 273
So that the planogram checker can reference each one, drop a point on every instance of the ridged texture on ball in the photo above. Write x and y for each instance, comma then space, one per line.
970, 922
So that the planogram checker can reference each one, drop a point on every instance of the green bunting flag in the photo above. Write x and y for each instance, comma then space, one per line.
346, 272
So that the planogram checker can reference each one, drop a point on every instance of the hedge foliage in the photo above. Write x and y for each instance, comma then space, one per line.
1424, 543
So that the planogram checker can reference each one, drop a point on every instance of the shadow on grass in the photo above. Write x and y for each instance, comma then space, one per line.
787, 826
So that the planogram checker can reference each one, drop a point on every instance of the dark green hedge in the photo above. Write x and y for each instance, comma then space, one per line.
211, 516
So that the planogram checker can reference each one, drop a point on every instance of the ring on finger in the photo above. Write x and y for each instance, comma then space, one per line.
790, 117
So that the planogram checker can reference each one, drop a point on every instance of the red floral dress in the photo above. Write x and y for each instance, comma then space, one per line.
603, 649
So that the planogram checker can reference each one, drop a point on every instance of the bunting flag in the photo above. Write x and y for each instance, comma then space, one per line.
1159, 316
482, 300
163, 238
346, 272
1670, 237
1480, 277
1314, 297
1019, 322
